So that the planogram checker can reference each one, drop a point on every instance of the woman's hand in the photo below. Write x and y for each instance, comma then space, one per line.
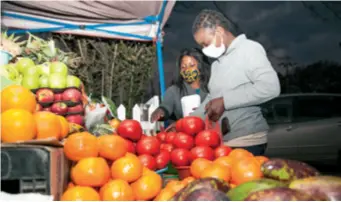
171, 128
158, 114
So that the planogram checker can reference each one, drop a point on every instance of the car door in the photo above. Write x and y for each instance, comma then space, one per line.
316, 127
281, 142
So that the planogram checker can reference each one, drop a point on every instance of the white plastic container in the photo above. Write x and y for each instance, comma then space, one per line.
5, 57
188, 103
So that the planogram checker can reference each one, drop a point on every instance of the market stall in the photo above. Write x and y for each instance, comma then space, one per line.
44, 111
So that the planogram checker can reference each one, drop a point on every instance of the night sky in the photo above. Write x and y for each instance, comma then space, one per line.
289, 30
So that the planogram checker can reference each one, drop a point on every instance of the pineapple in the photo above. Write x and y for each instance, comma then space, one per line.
10, 44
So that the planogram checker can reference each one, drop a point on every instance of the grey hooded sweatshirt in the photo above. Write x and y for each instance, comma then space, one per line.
244, 77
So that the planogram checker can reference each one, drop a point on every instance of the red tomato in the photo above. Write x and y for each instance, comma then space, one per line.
202, 152
208, 138
222, 151
178, 125
148, 145
192, 125
130, 129
162, 159
170, 137
182, 140
181, 157
167, 147
143, 136
162, 136
148, 161
131, 146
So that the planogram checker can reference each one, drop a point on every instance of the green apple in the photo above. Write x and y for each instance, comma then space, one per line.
30, 82
44, 81
31, 71
73, 81
58, 67
57, 80
44, 69
23, 63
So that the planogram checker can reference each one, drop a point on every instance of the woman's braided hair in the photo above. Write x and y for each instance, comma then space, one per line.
211, 19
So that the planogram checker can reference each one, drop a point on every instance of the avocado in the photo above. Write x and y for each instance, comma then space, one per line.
287, 170
328, 186
281, 194
209, 183
240, 192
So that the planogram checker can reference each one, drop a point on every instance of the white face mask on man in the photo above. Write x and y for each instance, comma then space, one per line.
213, 51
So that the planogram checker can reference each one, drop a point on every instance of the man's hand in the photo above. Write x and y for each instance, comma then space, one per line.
215, 108
157, 115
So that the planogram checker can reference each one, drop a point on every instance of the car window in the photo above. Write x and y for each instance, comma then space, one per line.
307, 108
278, 110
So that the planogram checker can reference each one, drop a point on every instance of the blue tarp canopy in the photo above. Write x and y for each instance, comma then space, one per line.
130, 20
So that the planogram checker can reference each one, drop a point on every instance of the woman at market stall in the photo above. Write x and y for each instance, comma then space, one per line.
193, 77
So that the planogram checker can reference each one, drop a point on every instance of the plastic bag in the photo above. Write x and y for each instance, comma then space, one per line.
25, 197
94, 114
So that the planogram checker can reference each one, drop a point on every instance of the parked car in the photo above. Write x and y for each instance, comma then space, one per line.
305, 127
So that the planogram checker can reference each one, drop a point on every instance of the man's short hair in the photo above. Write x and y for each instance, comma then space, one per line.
211, 19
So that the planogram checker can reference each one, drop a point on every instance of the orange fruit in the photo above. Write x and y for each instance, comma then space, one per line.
261, 159
112, 147
147, 187
198, 166
165, 195
217, 171
187, 180
64, 126
18, 97
48, 125
17, 125
80, 145
70, 185
114, 123
128, 168
146, 171
237, 154
92, 171
116, 190
224, 161
80, 193
244, 170
175, 185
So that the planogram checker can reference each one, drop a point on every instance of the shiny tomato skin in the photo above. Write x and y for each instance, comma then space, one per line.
209, 138
162, 159
222, 150
170, 137
130, 129
162, 136
178, 125
181, 157
148, 145
167, 147
131, 146
202, 152
148, 161
182, 140
192, 125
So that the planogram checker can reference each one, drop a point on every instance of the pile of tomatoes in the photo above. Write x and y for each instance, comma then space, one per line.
192, 140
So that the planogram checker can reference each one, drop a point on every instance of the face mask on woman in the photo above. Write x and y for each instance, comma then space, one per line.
190, 75
213, 51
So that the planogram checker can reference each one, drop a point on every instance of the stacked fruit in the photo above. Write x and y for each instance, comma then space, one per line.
55, 90
21, 122
191, 141
106, 169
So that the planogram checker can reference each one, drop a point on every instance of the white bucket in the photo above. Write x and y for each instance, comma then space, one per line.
5, 57
188, 103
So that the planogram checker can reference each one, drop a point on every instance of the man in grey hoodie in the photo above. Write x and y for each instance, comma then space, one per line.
242, 78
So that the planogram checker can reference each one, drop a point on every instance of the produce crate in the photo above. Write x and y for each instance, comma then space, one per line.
33, 168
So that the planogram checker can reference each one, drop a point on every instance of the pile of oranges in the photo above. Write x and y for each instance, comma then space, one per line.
104, 170
238, 167
21, 122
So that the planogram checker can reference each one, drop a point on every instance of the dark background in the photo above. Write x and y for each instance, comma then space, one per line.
303, 39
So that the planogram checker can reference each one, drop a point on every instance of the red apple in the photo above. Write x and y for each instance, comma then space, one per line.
72, 95
78, 119
59, 108
45, 95
76, 109
58, 97
48, 109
